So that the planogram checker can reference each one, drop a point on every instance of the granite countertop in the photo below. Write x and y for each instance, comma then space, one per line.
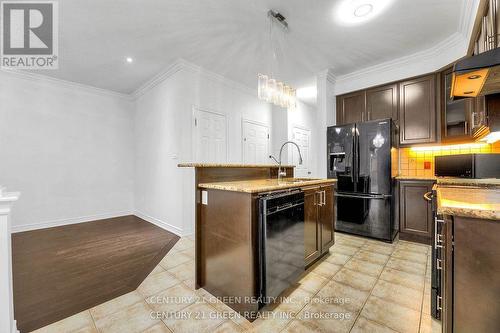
264, 185
467, 201
230, 165
491, 182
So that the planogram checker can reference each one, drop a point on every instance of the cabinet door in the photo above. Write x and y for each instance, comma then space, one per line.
311, 227
455, 114
351, 108
415, 220
382, 102
417, 110
327, 218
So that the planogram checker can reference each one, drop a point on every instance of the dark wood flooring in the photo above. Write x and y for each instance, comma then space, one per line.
61, 271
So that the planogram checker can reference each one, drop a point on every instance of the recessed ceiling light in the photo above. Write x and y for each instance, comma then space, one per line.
353, 12
363, 10
129, 60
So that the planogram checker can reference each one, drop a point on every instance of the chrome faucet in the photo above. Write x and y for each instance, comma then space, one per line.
281, 174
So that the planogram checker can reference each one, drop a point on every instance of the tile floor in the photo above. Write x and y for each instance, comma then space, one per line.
361, 286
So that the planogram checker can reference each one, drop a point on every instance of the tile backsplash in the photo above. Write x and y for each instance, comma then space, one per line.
419, 161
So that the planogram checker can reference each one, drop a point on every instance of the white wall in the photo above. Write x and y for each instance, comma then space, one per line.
69, 150
164, 193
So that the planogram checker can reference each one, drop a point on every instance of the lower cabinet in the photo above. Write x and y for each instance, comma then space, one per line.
415, 212
471, 275
319, 213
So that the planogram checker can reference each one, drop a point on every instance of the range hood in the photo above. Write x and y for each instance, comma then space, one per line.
477, 75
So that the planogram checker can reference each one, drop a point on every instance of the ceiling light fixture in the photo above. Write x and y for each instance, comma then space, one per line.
270, 89
129, 60
353, 12
363, 10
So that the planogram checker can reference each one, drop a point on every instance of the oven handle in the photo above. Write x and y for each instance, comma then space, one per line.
364, 196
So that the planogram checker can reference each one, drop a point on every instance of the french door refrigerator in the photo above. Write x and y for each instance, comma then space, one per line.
359, 157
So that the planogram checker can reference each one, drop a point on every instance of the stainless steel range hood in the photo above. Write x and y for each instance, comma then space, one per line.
477, 75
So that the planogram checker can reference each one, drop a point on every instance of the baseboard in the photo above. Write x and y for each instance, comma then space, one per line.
61, 222
162, 224
14, 327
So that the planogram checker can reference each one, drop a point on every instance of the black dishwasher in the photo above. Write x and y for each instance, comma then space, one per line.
281, 242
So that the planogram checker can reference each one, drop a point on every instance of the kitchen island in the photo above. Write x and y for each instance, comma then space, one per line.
470, 256
230, 254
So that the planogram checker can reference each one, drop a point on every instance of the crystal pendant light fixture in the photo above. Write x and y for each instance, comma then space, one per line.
270, 89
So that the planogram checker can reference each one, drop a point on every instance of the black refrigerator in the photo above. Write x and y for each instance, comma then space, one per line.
359, 157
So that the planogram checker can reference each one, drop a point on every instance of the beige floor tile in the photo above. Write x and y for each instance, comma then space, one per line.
344, 249
293, 302
312, 282
228, 327
155, 283
135, 318
374, 257
350, 241
426, 304
189, 252
399, 318
223, 308
81, 322
183, 244
382, 248
429, 325
158, 328
173, 259
115, 305
337, 258
325, 269
406, 266
328, 317
344, 295
173, 299
184, 271
157, 269
420, 248
271, 322
299, 326
396, 293
402, 278
364, 325
365, 267
198, 317
355, 279
410, 256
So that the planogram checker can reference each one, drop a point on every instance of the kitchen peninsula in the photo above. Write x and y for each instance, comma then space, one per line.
256, 233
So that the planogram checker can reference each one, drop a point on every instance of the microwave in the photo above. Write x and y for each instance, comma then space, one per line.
468, 166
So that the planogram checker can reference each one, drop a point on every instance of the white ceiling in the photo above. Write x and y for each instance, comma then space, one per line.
231, 37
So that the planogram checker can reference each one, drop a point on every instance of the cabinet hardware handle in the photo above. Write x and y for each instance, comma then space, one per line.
428, 196
439, 305
473, 119
466, 127
438, 238
439, 264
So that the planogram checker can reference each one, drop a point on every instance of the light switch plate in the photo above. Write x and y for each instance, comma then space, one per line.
204, 197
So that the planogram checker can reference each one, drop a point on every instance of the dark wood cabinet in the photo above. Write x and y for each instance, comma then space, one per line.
456, 124
319, 207
382, 102
327, 218
417, 110
471, 275
312, 229
351, 108
415, 213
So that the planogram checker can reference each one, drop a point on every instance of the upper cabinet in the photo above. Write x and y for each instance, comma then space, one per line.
351, 108
417, 110
382, 102
456, 114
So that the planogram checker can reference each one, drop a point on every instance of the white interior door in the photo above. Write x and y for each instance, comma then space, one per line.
210, 137
255, 143
302, 137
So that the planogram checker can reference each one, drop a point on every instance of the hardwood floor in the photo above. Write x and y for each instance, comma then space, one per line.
58, 272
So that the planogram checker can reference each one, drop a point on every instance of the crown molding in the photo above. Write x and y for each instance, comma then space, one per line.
468, 15
34, 77
184, 65
440, 55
